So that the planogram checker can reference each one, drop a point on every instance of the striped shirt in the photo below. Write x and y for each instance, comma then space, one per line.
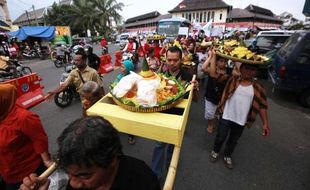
259, 100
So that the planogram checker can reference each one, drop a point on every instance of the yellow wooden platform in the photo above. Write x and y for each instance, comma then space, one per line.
166, 126
163, 126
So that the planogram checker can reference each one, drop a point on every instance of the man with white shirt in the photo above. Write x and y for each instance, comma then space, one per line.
242, 99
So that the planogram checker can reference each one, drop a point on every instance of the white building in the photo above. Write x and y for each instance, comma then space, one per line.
288, 19
5, 19
203, 11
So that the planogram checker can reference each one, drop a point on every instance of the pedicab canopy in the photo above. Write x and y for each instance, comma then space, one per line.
44, 32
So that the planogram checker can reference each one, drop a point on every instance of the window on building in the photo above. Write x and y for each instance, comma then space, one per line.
186, 15
221, 16
197, 16
189, 16
208, 16
204, 16
200, 19
183, 15
212, 16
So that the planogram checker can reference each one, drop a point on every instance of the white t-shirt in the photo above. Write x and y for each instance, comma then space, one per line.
237, 107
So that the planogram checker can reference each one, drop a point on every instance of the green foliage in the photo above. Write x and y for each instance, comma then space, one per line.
86, 14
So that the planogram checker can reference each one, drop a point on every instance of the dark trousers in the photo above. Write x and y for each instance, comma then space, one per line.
230, 129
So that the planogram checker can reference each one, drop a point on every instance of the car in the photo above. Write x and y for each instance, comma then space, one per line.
118, 39
78, 40
291, 67
268, 40
123, 39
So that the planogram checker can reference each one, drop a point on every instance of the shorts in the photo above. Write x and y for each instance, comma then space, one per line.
210, 109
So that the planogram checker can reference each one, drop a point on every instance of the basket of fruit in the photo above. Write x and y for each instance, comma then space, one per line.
147, 91
234, 51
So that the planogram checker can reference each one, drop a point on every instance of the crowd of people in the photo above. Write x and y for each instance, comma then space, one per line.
89, 149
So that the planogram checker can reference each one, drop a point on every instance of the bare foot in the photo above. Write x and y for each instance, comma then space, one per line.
210, 129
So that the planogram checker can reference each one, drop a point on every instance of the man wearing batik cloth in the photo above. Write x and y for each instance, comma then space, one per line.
242, 99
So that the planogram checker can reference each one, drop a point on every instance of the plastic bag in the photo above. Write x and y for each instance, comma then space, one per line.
58, 180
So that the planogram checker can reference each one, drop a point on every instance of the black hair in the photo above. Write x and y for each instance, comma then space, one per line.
81, 51
219, 57
89, 141
151, 50
251, 65
174, 49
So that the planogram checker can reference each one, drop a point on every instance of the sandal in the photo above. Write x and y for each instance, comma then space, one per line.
131, 140
228, 162
214, 156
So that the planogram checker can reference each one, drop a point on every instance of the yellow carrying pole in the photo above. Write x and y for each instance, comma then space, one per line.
176, 153
172, 169
49, 171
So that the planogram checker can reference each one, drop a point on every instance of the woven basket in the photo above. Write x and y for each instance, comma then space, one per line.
147, 110
240, 60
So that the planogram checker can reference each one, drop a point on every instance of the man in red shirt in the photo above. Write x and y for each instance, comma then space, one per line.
103, 42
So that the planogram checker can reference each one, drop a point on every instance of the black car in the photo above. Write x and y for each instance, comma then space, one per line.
291, 66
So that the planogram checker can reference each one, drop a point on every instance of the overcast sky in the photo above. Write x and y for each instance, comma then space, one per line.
137, 7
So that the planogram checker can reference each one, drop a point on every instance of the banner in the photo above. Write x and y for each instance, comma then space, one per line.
208, 28
63, 35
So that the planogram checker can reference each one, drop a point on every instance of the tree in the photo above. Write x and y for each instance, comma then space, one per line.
82, 15
57, 15
108, 9
94, 15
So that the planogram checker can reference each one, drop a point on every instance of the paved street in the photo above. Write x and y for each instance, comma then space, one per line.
279, 162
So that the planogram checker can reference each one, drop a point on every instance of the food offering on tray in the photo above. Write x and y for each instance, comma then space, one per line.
232, 49
156, 37
148, 89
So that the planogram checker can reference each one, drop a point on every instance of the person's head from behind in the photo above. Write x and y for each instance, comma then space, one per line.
88, 49
80, 58
127, 66
156, 43
151, 52
221, 62
89, 149
8, 97
130, 39
248, 71
91, 93
174, 58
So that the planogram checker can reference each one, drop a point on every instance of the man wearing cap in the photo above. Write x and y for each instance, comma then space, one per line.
242, 99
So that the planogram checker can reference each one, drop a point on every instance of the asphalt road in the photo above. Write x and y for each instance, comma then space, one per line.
279, 162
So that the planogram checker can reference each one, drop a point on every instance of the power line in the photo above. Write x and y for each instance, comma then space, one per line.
24, 3
22, 8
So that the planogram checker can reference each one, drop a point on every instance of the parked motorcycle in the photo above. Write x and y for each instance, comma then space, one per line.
15, 70
32, 53
64, 99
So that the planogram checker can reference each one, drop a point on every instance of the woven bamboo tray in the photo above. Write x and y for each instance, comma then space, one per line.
147, 110
240, 60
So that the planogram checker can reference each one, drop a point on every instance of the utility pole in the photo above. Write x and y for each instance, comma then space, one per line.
27, 17
35, 15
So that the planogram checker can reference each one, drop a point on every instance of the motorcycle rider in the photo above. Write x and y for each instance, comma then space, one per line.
131, 47
4, 64
92, 59
78, 76
61, 52
104, 46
